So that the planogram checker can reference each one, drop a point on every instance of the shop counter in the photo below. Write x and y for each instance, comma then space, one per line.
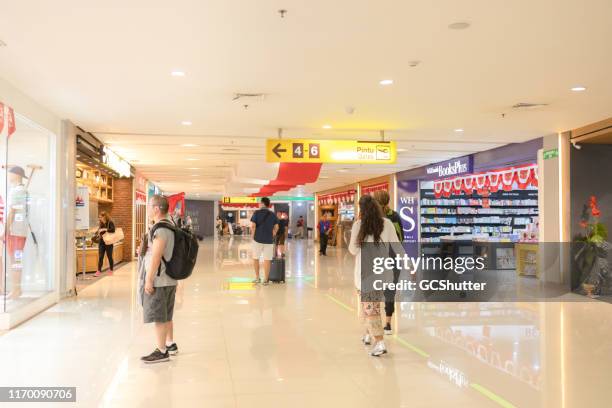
91, 258
527, 263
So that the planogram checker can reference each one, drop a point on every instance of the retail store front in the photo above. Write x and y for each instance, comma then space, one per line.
104, 187
482, 205
339, 208
28, 272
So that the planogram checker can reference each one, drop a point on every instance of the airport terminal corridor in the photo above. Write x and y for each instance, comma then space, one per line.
298, 344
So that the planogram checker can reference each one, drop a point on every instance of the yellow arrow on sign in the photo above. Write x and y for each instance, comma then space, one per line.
330, 151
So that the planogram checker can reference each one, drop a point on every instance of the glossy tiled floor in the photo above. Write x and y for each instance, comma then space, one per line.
298, 345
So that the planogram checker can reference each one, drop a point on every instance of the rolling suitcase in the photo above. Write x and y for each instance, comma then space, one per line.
277, 269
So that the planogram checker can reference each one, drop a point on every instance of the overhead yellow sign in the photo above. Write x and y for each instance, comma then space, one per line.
330, 151
239, 200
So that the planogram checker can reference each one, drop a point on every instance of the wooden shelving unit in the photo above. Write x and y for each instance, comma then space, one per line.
99, 184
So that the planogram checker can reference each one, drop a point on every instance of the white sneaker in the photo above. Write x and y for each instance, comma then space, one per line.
366, 339
388, 330
379, 349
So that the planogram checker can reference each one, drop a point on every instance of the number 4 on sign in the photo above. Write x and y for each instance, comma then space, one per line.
298, 150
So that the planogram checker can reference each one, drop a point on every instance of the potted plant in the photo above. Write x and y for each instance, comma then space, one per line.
591, 259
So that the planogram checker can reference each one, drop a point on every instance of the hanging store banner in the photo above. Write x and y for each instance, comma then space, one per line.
449, 168
488, 182
408, 208
240, 200
81, 208
330, 151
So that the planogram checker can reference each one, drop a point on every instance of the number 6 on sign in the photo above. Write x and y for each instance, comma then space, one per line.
313, 150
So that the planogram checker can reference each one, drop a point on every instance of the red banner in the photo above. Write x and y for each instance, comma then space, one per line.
10, 121
365, 190
489, 182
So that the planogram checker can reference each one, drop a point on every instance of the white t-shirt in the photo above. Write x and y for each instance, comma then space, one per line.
17, 201
388, 237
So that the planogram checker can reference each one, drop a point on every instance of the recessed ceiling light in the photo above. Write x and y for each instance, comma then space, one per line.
327, 126
400, 150
186, 123
386, 82
195, 181
189, 145
193, 168
458, 130
178, 73
192, 159
578, 88
323, 177
460, 25
342, 170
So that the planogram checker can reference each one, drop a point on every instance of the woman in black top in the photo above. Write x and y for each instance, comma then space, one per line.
106, 225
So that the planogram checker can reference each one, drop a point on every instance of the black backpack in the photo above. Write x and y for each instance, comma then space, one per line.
184, 254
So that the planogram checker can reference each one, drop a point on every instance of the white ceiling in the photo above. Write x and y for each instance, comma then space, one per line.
106, 66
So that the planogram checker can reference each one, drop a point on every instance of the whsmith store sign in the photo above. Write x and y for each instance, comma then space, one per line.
450, 168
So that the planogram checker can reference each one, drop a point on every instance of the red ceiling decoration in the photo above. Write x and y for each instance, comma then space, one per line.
289, 176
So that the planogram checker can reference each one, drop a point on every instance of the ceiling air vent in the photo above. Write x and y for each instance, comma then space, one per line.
249, 97
528, 105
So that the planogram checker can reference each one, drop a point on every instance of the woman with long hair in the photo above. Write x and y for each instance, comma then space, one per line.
106, 224
378, 233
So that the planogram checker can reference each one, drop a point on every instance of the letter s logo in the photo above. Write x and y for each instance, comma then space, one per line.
407, 214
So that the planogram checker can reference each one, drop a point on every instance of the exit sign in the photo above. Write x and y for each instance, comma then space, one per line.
551, 154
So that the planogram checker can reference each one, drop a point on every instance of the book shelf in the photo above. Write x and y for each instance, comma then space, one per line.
502, 215
99, 184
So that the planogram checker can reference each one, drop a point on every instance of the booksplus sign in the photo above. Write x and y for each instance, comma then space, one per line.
449, 168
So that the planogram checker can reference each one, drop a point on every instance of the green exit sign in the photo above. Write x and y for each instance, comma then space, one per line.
551, 154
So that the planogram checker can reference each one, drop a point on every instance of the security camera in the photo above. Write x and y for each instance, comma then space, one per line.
576, 145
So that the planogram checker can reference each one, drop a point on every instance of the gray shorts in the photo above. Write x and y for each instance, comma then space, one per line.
159, 307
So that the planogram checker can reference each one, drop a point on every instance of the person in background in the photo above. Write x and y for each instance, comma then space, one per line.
106, 225
300, 228
324, 227
219, 226
264, 226
188, 223
159, 288
281, 235
16, 227
382, 197
372, 227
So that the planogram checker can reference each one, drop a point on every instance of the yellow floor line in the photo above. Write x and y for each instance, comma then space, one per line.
338, 302
412, 347
492, 396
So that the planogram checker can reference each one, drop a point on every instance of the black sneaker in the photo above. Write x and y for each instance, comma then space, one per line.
172, 349
156, 357
388, 330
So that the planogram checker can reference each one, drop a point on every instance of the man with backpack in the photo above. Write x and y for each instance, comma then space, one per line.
264, 226
382, 197
161, 261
